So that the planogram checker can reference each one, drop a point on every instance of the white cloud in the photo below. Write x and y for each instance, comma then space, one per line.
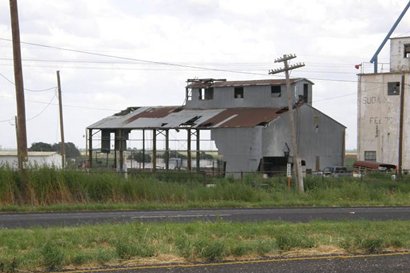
331, 36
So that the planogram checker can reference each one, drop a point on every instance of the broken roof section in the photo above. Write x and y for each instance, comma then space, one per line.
174, 117
206, 83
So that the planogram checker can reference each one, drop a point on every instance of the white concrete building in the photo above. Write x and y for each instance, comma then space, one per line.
383, 110
35, 159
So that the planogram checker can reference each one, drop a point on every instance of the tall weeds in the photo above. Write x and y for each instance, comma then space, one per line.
49, 186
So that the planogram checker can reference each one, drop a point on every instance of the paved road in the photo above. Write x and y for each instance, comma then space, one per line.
396, 263
13, 220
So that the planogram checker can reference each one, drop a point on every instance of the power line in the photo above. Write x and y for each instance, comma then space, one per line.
71, 105
44, 109
27, 89
336, 97
136, 59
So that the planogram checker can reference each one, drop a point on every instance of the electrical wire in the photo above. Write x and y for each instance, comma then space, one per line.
27, 89
336, 97
44, 109
135, 59
162, 62
70, 106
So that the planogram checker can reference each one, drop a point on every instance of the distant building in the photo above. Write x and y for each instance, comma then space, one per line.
35, 159
248, 120
383, 110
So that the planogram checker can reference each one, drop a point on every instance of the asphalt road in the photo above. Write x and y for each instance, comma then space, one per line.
14, 220
394, 263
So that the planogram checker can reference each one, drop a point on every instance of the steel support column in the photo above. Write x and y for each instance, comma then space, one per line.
90, 148
198, 152
121, 140
143, 149
166, 157
154, 150
189, 158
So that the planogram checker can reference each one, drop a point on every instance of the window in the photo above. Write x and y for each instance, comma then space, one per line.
206, 93
275, 90
393, 88
370, 155
238, 92
305, 92
407, 51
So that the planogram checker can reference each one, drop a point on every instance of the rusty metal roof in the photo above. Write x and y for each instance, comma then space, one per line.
242, 117
171, 117
266, 82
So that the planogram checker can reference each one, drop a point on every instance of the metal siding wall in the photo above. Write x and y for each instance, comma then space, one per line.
325, 142
254, 96
241, 148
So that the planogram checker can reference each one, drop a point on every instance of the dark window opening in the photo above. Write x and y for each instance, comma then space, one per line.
275, 91
206, 93
263, 123
393, 88
273, 165
191, 121
305, 92
370, 155
407, 51
238, 94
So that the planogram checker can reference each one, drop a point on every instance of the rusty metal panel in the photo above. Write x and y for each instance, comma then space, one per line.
242, 117
174, 117
155, 112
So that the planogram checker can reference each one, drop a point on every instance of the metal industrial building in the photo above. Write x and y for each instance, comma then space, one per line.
247, 120
383, 103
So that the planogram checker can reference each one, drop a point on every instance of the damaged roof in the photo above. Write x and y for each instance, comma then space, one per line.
223, 83
172, 117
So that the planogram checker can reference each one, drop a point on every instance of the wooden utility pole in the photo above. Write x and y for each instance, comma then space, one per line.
296, 160
60, 106
18, 79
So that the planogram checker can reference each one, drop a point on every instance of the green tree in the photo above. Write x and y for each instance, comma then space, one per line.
71, 150
41, 147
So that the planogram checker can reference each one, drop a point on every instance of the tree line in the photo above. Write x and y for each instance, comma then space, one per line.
71, 150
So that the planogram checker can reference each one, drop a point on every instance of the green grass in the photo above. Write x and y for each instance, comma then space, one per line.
48, 189
57, 248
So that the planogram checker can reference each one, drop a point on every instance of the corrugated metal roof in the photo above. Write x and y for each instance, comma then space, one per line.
265, 82
171, 117
242, 117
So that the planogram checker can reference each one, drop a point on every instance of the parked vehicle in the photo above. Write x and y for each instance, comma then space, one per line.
362, 167
335, 171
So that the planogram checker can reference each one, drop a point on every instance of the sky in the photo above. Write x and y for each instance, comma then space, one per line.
115, 54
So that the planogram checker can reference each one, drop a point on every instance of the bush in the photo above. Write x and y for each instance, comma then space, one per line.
127, 250
371, 245
289, 241
211, 251
265, 246
53, 256
184, 247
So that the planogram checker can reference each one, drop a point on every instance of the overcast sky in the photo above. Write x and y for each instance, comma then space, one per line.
330, 37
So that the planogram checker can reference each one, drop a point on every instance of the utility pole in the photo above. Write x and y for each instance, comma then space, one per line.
296, 160
60, 105
18, 78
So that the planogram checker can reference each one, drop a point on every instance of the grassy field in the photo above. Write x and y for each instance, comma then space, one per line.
50, 189
91, 246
